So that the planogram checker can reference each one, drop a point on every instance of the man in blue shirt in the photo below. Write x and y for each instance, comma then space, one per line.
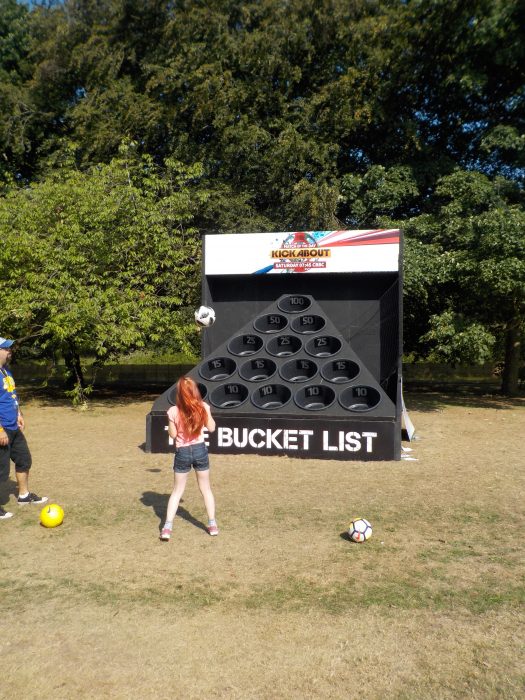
13, 445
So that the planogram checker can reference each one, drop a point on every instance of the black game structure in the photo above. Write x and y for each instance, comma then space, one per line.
313, 375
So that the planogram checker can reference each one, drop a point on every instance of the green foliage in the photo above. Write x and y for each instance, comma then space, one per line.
478, 229
421, 267
14, 31
305, 114
380, 195
14, 71
454, 341
104, 261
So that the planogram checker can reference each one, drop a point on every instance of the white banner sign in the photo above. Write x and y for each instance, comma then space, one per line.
374, 250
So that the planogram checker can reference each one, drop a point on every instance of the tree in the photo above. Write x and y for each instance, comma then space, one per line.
305, 114
15, 71
101, 262
479, 229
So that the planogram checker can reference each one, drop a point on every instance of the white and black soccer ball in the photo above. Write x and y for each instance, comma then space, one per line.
204, 316
359, 530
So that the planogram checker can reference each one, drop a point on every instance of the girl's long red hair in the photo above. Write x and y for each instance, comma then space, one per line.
189, 402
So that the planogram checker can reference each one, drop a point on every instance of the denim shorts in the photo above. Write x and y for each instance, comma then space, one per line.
195, 456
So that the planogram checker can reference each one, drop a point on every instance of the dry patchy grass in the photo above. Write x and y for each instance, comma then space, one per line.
280, 605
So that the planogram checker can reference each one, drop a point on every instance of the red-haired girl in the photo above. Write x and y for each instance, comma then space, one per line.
187, 420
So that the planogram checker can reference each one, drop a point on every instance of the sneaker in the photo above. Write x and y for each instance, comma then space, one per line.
213, 530
4, 514
32, 498
165, 534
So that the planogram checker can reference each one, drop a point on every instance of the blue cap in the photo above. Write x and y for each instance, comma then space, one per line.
5, 343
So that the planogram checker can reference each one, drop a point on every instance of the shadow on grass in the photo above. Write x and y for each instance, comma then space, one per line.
346, 537
104, 396
428, 397
7, 488
159, 503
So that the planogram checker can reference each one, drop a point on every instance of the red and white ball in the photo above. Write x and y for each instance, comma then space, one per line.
359, 530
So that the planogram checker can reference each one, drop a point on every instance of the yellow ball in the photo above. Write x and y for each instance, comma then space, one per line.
51, 515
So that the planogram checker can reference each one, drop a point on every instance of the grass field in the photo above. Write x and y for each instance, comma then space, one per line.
280, 605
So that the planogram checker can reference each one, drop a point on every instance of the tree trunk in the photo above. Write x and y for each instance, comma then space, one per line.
75, 375
510, 376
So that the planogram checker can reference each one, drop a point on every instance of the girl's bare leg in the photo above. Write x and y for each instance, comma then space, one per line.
203, 481
176, 495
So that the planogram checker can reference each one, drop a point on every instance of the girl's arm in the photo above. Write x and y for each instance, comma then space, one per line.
172, 430
210, 423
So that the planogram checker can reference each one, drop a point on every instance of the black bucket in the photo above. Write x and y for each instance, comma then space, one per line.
323, 346
309, 323
270, 323
359, 398
217, 368
315, 397
258, 370
294, 304
284, 345
229, 395
298, 370
247, 344
340, 371
271, 396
